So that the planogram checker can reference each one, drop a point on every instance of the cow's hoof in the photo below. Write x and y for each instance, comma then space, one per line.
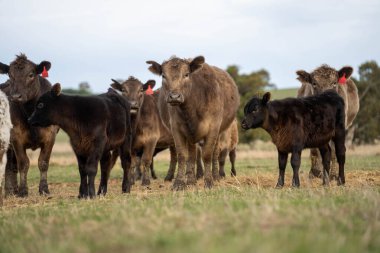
233, 173
279, 186
199, 175
23, 192
341, 182
169, 178
216, 177
222, 174
145, 182
315, 173
179, 185
209, 183
191, 180
44, 189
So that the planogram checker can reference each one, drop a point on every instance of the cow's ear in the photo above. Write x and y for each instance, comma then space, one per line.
4, 68
56, 90
196, 63
155, 68
150, 83
40, 67
303, 76
116, 85
345, 71
266, 98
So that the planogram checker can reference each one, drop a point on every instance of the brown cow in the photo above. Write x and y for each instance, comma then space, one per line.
321, 79
24, 88
200, 102
149, 135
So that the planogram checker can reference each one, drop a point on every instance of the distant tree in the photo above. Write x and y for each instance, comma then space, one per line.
249, 85
84, 89
368, 119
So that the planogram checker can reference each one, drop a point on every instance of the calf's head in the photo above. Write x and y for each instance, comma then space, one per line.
23, 78
134, 91
176, 76
255, 112
324, 78
46, 109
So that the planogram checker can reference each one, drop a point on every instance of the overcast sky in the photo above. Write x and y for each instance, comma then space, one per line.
96, 40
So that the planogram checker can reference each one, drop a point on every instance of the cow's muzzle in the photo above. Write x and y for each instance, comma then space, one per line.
175, 98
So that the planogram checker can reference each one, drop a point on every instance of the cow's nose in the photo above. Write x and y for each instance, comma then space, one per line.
16, 97
134, 104
175, 96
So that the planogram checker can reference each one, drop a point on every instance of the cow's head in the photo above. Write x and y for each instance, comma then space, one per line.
324, 78
46, 109
255, 112
134, 91
23, 78
176, 76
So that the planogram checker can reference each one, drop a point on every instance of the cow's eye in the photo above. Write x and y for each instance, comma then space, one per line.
186, 75
142, 90
163, 76
31, 75
40, 105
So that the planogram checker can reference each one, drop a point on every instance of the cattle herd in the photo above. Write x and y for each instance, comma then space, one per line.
193, 115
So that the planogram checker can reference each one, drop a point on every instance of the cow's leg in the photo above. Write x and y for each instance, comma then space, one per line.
105, 169
282, 160
215, 161
3, 163
333, 163
183, 156
11, 186
23, 167
232, 160
199, 162
43, 165
207, 152
222, 162
128, 177
295, 161
146, 161
83, 187
153, 173
92, 169
316, 163
340, 150
326, 158
190, 165
173, 164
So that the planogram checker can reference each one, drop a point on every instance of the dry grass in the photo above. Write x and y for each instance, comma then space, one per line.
241, 214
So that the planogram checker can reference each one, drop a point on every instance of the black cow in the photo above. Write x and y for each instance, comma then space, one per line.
96, 126
298, 123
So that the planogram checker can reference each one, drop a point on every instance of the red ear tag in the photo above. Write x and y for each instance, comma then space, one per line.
343, 79
149, 91
45, 73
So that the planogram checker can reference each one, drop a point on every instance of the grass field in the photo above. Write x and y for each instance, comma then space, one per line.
242, 214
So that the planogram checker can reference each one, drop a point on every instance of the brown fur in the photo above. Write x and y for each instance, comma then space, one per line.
24, 88
149, 133
199, 101
321, 79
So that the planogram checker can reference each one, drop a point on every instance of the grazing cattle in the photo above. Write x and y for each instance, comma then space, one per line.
24, 87
149, 135
199, 101
96, 126
5, 132
321, 79
298, 123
